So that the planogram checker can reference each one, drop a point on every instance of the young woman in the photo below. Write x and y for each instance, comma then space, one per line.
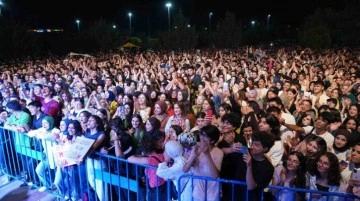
325, 177
209, 108
63, 135
160, 113
83, 119
125, 112
46, 168
197, 107
77, 107
152, 147
95, 131
312, 147
351, 124
292, 95
341, 146
172, 168
247, 131
179, 118
269, 123
206, 154
200, 121
67, 179
137, 131
151, 125
174, 132
143, 109
291, 174
104, 116
66, 98
111, 101
224, 108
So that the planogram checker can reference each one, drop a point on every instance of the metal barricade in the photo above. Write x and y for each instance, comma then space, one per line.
109, 178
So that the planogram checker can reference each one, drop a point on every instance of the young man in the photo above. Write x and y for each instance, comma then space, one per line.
49, 106
258, 170
321, 126
255, 169
319, 97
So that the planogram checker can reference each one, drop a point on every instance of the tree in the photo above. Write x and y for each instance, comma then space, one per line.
104, 35
181, 36
16, 41
228, 32
316, 37
332, 27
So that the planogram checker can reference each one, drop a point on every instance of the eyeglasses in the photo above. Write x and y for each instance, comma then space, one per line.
320, 162
293, 162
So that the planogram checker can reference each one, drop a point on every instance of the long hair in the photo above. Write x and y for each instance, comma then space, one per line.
299, 122
300, 180
149, 142
320, 142
343, 125
333, 175
99, 123
77, 127
274, 126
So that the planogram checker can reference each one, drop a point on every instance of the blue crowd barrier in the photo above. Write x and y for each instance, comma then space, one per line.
115, 178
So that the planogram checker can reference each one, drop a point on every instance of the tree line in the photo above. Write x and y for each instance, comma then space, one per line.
325, 28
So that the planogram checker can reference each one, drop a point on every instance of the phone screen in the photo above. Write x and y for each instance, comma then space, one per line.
244, 150
301, 93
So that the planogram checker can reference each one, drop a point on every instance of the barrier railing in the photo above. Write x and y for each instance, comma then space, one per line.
105, 177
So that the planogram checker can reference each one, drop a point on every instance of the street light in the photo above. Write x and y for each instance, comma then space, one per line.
78, 25
210, 14
1, 4
168, 5
130, 14
268, 21
114, 26
253, 23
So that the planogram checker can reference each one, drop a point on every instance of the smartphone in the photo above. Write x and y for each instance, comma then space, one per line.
356, 174
244, 150
301, 93
31, 85
344, 163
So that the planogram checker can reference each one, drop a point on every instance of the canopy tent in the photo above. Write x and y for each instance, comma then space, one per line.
130, 45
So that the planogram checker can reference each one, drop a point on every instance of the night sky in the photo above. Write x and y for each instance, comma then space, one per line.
62, 13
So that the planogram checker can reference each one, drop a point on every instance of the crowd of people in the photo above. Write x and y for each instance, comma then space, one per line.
287, 117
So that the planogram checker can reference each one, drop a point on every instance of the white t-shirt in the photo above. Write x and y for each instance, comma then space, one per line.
202, 169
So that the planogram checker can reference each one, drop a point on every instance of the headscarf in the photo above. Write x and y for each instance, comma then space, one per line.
50, 120
67, 122
174, 149
345, 133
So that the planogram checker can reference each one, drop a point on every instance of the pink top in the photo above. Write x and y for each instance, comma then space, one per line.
154, 160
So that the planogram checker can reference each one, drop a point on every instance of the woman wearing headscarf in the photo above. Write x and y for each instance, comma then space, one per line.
160, 108
172, 168
48, 134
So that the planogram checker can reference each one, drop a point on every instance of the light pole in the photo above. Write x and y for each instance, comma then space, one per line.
210, 14
78, 25
130, 14
168, 5
1, 4
253, 23
268, 21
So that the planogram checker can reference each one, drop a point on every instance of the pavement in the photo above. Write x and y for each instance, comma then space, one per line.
11, 191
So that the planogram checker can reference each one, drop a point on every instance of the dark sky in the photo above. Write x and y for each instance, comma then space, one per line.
62, 13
